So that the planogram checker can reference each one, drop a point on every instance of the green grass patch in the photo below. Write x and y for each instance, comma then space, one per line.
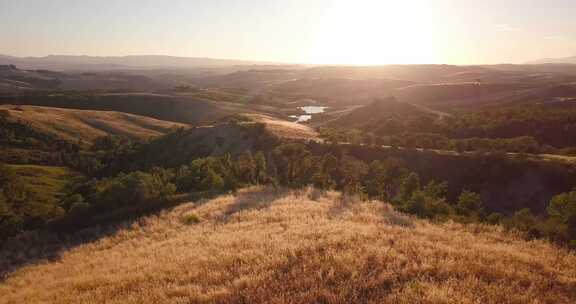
47, 182
190, 219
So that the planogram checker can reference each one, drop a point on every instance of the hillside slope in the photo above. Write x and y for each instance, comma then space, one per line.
447, 95
377, 114
564, 60
74, 125
64, 62
273, 246
178, 108
235, 137
285, 129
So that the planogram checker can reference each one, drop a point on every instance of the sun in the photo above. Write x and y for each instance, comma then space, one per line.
369, 32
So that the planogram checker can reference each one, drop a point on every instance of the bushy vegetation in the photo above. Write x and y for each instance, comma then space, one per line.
18, 134
126, 177
191, 219
519, 129
293, 165
31, 196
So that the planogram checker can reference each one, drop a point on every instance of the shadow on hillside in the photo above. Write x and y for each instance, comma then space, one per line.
347, 204
33, 247
253, 200
39, 246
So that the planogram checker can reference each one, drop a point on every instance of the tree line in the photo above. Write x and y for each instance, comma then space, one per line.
290, 165
549, 128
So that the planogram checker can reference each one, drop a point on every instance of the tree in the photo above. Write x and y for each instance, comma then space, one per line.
436, 190
322, 177
562, 216
384, 178
470, 204
424, 205
137, 189
293, 164
524, 220
10, 223
563, 207
261, 168
410, 184
247, 170
495, 218
351, 172
228, 170
375, 182
203, 174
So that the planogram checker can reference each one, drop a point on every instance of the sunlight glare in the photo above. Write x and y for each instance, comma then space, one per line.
369, 32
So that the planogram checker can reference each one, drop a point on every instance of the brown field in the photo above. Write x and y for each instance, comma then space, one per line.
273, 246
74, 125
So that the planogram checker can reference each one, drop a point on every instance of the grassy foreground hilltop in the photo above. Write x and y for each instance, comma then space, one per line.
275, 246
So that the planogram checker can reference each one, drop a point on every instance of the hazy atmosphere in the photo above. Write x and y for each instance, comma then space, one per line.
288, 151
296, 31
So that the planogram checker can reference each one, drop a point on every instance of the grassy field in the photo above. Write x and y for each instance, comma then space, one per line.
46, 181
276, 246
285, 129
183, 108
74, 125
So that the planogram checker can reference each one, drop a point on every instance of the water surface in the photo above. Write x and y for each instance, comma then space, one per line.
309, 110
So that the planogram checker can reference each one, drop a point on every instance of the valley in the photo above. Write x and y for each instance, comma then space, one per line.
269, 162
288, 152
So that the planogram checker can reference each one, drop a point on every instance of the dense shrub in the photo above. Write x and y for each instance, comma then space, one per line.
470, 205
290, 165
190, 219
561, 224
134, 190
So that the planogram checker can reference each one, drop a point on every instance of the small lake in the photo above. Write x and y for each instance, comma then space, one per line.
309, 111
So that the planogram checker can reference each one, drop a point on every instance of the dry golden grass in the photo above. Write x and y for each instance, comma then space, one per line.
73, 125
285, 129
268, 246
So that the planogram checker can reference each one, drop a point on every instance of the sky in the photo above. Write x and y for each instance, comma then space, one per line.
363, 32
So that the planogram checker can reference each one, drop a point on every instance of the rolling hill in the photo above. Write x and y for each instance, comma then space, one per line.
180, 108
285, 129
63, 62
446, 95
565, 60
82, 125
277, 246
434, 85
378, 113
16, 80
232, 135
339, 91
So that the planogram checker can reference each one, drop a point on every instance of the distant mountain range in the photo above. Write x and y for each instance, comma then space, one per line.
569, 60
62, 62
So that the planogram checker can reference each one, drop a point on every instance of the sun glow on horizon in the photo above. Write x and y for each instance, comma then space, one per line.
369, 32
